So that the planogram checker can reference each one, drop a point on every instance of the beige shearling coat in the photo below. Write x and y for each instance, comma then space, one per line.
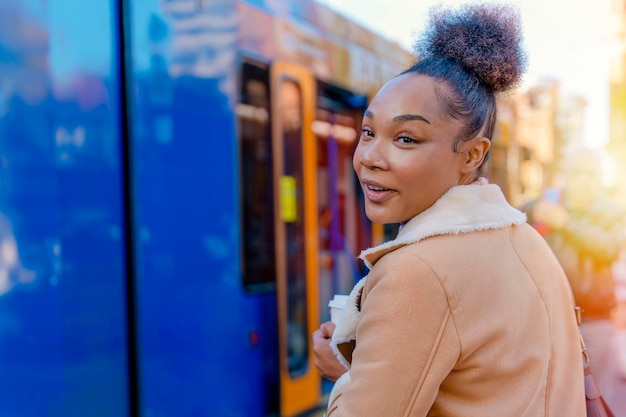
467, 313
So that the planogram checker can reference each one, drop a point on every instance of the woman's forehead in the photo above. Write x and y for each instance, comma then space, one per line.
408, 94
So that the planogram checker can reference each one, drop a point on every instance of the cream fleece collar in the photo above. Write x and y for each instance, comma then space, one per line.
462, 209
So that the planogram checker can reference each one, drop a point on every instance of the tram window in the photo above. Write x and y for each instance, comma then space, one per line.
257, 193
344, 229
290, 108
341, 221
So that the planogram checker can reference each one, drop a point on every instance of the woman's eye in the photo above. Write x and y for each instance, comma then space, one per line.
406, 140
366, 132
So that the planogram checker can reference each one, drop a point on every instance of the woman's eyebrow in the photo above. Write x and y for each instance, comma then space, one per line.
400, 118
409, 117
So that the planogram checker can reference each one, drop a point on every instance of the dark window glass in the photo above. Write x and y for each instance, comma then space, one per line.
257, 193
292, 202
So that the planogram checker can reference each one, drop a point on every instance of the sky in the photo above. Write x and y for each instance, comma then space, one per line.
566, 40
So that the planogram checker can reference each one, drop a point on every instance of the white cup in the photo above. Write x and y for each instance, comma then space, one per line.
336, 307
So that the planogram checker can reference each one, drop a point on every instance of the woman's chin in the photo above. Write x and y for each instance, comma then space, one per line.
382, 218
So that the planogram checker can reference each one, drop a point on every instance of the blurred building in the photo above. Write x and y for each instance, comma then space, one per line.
525, 140
569, 121
617, 140
536, 126
536, 110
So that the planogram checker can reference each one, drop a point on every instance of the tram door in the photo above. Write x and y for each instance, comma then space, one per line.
296, 233
344, 230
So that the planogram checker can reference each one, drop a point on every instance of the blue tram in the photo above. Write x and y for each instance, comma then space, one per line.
177, 202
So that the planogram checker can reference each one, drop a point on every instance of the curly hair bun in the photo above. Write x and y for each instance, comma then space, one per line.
485, 39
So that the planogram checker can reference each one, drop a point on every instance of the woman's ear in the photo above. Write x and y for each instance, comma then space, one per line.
475, 153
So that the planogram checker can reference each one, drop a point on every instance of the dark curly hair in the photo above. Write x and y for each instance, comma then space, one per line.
475, 50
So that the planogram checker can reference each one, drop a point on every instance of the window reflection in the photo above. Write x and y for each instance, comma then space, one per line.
12, 272
257, 196
290, 108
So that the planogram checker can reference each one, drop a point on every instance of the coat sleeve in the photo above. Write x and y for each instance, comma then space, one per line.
406, 343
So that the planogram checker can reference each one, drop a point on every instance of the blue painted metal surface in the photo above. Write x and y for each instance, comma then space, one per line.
62, 269
205, 347
198, 330
88, 90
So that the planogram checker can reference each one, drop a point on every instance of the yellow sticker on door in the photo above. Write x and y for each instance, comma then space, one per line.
288, 205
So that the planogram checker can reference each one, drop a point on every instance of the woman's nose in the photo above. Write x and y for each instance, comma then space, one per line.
371, 158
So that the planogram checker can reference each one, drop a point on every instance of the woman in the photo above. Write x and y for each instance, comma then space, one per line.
467, 312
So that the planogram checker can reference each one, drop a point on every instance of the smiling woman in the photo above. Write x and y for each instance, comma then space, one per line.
434, 314
404, 158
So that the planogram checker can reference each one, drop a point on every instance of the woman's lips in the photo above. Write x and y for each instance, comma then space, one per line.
376, 193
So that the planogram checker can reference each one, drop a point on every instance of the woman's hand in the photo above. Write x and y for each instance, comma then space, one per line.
325, 358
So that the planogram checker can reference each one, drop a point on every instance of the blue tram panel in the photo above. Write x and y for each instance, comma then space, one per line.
63, 345
200, 348
139, 263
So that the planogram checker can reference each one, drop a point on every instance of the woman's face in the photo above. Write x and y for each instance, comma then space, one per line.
405, 159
